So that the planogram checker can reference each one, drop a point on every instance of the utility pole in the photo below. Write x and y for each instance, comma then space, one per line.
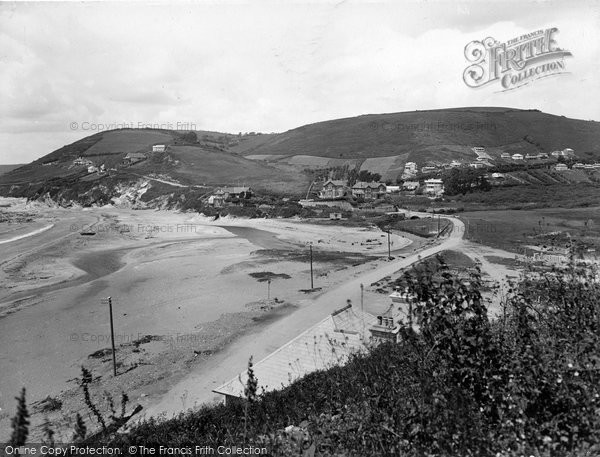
269, 289
312, 286
438, 226
362, 289
108, 301
362, 311
389, 249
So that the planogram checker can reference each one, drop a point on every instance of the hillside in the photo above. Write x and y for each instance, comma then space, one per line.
384, 142
380, 143
6, 168
205, 161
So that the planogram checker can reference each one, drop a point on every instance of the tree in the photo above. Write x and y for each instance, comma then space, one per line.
20, 423
80, 429
464, 180
190, 137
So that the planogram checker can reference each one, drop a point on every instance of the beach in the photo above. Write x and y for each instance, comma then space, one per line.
184, 287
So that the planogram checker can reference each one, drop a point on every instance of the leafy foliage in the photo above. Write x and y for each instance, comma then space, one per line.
464, 180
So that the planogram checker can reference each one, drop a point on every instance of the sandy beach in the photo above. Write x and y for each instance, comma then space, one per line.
184, 287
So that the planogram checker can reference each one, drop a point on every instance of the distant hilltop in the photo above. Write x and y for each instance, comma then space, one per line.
380, 143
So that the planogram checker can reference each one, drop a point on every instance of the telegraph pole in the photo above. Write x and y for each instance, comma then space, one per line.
438, 226
312, 286
389, 249
362, 289
108, 301
269, 289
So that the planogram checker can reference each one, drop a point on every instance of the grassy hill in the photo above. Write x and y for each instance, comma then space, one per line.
6, 168
206, 162
383, 142
380, 143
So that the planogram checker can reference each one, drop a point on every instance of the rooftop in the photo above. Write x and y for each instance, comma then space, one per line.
329, 343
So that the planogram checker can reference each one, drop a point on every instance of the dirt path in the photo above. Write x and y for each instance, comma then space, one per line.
196, 388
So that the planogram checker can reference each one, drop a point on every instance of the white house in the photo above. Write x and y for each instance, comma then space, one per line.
517, 156
477, 165
561, 167
505, 155
410, 185
434, 186
159, 148
410, 168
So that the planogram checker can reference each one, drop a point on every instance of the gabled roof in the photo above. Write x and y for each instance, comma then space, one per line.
335, 182
366, 185
329, 343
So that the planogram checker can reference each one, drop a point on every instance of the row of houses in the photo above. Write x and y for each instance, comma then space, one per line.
338, 189
223, 194
578, 166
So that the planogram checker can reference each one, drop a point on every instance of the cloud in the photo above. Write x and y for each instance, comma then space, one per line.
265, 67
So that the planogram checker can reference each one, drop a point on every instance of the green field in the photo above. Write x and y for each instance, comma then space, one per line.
509, 230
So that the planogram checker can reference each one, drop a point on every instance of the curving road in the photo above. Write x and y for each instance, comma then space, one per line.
197, 387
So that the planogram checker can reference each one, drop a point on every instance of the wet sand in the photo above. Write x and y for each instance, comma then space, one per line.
169, 283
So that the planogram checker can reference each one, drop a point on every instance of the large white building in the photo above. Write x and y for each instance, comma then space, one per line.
434, 186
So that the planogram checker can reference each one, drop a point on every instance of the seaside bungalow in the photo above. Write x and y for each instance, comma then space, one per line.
428, 169
329, 343
134, 157
517, 157
235, 192
505, 155
333, 189
434, 186
368, 190
159, 148
410, 185
561, 167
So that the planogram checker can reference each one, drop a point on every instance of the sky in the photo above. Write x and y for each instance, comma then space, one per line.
69, 70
